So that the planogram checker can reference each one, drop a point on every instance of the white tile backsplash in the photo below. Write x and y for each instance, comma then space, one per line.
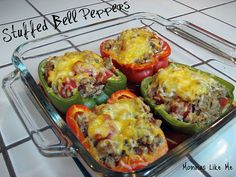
9, 43
83, 16
11, 10
225, 68
167, 8
3, 168
220, 13
45, 6
39, 165
212, 25
202, 4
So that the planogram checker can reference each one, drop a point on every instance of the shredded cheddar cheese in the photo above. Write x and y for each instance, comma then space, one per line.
185, 83
132, 45
63, 65
122, 122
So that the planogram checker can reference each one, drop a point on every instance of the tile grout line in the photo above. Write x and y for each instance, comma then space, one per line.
218, 5
6, 158
44, 16
201, 11
218, 19
87, 32
196, 164
5, 65
41, 14
5, 148
24, 140
204, 8
17, 143
16, 21
52, 13
87, 5
107, 2
219, 71
181, 15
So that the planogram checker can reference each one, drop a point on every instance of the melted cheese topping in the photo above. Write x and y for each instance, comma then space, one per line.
120, 121
183, 82
64, 65
131, 45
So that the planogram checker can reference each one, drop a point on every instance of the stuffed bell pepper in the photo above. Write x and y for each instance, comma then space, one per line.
137, 52
188, 99
79, 78
122, 134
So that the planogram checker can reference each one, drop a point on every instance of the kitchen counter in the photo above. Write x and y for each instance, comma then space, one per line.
24, 20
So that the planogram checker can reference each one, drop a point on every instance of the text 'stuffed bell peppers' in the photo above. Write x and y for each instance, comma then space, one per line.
160, 108
128, 53
121, 135
116, 82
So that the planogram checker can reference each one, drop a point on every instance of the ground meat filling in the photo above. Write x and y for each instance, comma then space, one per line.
89, 86
82, 120
108, 153
202, 111
49, 66
142, 143
83, 77
110, 156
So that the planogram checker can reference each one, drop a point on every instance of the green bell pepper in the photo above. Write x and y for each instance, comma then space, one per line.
185, 127
116, 82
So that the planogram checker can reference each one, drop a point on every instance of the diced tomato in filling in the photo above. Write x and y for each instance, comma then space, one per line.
223, 102
110, 133
159, 99
181, 107
67, 88
102, 77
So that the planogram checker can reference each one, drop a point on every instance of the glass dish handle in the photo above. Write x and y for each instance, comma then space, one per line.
204, 39
53, 150
49, 140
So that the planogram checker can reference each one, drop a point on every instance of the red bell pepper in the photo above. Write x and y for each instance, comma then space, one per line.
136, 72
128, 162
121, 94
71, 115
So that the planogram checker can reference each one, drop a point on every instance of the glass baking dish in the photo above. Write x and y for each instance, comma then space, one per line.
46, 125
